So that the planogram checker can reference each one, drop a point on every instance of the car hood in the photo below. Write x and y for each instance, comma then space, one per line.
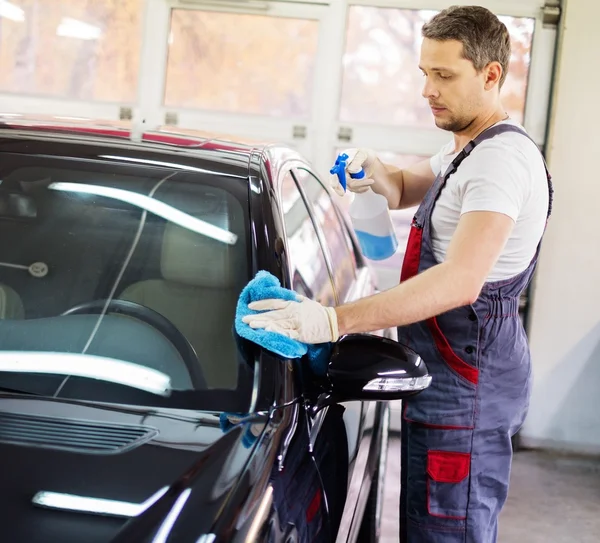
143, 461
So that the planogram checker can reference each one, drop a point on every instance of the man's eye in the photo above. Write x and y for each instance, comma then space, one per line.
445, 76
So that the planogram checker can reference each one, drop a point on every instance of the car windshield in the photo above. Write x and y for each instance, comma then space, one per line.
119, 280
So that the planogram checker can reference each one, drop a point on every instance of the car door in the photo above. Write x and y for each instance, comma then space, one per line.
352, 279
311, 277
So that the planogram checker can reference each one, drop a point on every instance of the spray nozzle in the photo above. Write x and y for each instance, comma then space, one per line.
339, 169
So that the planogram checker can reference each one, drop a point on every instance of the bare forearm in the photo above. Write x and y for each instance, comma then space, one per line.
435, 291
402, 188
393, 185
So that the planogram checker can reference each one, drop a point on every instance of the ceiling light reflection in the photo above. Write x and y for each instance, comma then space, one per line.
166, 527
72, 28
156, 207
96, 506
12, 12
160, 163
86, 365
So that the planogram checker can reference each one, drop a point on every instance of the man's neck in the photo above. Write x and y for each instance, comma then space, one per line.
477, 127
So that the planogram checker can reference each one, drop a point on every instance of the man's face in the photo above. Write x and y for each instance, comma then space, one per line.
455, 91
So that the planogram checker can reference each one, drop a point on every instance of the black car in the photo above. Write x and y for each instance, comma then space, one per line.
130, 409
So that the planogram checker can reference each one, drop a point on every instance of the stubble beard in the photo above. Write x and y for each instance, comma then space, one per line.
454, 124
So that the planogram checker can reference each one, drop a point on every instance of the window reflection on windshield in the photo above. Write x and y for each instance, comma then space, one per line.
130, 264
311, 276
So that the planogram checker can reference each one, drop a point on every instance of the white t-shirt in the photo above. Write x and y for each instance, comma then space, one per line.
504, 174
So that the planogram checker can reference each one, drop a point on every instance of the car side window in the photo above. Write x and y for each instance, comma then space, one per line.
311, 275
339, 244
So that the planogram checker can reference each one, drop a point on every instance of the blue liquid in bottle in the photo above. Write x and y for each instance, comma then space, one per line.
376, 247
370, 217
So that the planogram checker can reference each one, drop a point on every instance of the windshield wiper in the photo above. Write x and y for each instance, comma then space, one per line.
87, 365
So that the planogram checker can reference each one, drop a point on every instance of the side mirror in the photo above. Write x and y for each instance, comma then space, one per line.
368, 367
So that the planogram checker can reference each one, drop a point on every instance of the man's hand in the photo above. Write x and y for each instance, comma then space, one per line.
305, 320
358, 159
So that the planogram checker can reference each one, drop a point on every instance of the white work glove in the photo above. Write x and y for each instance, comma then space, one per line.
357, 159
306, 320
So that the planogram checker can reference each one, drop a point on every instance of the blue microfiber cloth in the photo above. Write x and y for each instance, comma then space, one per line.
263, 286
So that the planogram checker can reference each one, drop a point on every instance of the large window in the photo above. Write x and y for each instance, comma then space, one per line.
81, 49
241, 63
125, 270
382, 82
311, 276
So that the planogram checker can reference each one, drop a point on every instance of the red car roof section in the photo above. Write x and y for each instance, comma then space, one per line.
125, 134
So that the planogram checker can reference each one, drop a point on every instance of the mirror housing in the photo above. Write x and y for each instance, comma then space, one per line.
366, 367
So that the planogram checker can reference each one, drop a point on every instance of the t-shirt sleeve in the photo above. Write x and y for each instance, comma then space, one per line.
497, 179
436, 160
436, 163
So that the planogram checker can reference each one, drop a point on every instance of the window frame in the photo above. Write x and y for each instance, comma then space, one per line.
348, 241
288, 170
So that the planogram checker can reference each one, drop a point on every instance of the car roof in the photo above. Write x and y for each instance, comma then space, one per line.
164, 138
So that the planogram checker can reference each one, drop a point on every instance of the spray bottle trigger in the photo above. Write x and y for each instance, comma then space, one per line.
339, 169
358, 175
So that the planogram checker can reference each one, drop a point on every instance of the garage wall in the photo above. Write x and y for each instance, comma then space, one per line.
565, 318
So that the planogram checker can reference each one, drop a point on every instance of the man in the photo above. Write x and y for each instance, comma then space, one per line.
484, 202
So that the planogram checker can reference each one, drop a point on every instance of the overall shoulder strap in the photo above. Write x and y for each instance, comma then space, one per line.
490, 133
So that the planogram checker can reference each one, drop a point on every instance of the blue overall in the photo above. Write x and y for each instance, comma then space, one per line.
456, 435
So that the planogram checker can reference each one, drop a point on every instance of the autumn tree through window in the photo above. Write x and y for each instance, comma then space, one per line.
381, 80
79, 49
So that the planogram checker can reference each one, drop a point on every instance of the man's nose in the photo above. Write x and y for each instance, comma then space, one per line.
429, 89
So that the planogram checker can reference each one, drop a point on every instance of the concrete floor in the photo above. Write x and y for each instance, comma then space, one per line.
552, 499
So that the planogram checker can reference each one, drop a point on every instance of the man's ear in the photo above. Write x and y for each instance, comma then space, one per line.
493, 74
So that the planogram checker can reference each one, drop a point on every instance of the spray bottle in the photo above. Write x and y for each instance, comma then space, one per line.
370, 217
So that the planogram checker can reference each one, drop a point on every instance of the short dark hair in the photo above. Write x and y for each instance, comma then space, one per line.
484, 37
